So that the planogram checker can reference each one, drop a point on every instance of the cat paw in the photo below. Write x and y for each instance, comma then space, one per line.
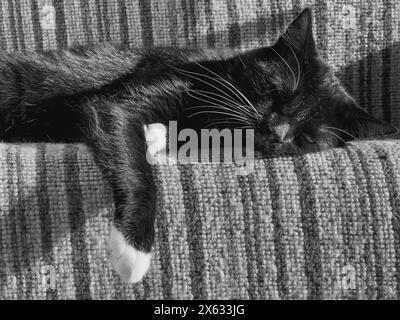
156, 139
130, 264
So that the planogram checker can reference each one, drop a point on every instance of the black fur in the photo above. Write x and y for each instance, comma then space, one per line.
103, 96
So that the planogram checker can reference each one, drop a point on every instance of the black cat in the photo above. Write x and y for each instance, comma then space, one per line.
104, 96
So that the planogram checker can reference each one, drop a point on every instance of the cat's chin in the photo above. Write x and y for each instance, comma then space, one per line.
130, 264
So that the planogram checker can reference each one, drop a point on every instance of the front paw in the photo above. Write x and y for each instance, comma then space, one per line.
130, 264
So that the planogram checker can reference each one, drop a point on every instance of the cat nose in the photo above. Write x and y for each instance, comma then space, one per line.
281, 132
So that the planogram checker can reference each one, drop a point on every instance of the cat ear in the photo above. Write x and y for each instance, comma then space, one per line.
299, 34
362, 125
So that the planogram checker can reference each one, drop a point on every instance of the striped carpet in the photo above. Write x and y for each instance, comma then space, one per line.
326, 225
322, 226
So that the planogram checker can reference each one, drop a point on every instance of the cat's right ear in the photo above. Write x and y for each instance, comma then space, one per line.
299, 35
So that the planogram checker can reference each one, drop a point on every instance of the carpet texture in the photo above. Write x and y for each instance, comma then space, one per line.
325, 225
360, 38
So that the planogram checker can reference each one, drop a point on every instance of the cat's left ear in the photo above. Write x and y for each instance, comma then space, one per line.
299, 35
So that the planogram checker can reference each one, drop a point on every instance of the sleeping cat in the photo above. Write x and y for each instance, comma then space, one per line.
104, 96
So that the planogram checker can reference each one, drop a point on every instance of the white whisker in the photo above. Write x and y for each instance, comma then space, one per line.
291, 70
335, 135
244, 120
192, 73
241, 60
246, 100
204, 92
212, 104
298, 65
222, 113
344, 131
227, 122
223, 79
233, 107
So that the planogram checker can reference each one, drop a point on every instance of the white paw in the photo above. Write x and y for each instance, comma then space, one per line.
130, 263
156, 138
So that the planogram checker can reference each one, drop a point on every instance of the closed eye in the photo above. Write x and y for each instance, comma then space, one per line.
308, 138
289, 110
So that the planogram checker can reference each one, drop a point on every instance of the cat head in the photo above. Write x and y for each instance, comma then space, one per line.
301, 102
292, 98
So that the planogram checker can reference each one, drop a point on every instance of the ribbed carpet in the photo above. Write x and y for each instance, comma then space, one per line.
325, 225
360, 38
322, 226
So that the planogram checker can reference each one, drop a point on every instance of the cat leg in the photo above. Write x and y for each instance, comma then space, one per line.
130, 263
120, 150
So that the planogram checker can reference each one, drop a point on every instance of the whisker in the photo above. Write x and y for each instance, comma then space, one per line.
344, 131
227, 122
244, 120
276, 89
335, 135
231, 85
291, 70
232, 116
298, 64
236, 106
241, 60
243, 110
204, 92
189, 75
192, 73
220, 107
223, 79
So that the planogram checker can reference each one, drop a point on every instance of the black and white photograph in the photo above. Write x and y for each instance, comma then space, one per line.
199, 154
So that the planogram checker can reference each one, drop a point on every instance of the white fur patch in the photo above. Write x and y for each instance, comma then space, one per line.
156, 138
130, 263
282, 130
